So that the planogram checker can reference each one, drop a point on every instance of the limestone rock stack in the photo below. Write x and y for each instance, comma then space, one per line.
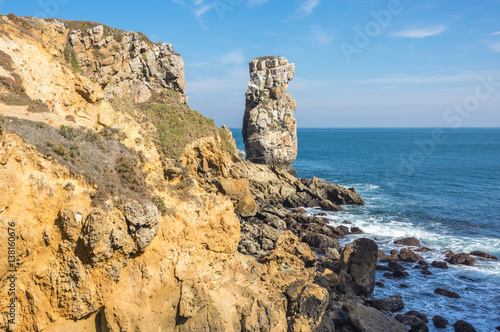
269, 126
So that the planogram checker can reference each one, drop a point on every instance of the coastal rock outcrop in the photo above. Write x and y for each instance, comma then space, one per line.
269, 127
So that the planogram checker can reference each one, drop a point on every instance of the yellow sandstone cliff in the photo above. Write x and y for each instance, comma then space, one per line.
149, 242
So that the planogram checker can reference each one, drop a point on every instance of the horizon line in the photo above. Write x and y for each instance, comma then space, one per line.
465, 127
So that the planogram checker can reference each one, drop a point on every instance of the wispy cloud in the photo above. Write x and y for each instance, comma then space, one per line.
256, 2
304, 9
491, 34
200, 11
420, 33
197, 7
321, 36
235, 58
495, 47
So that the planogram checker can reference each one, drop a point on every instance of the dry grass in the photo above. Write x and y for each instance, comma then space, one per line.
103, 162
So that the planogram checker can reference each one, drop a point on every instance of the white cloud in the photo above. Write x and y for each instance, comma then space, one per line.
200, 11
235, 58
304, 9
491, 34
197, 7
321, 36
420, 33
495, 47
308, 6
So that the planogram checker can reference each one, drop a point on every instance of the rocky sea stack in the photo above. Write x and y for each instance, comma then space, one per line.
269, 127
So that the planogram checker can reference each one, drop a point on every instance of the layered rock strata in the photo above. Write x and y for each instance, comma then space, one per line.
269, 127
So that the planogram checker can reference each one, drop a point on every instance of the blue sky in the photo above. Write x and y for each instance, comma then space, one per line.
359, 63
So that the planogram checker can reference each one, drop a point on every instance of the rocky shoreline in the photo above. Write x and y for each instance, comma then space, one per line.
126, 223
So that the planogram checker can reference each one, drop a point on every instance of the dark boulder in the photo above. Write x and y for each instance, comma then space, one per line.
347, 222
409, 241
380, 284
400, 274
461, 258
407, 255
364, 318
358, 267
483, 255
419, 315
383, 268
440, 322
404, 286
390, 304
447, 293
356, 230
396, 266
426, 272
439, 265
423, 249
329, 206
321, 241
382, 257
463, 326
415, 324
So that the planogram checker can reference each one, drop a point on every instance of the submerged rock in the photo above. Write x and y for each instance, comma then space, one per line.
439, 265
407, 255
269, 127
440, 322
415, 323
419, 315
461, 258
409, 241
447, 293
463, 326
483, 255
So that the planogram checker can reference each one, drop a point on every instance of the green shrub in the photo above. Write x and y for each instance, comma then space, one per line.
178, 125
160, 204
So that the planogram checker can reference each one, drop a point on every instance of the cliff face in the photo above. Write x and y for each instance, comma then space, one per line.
111, 234
269, 126
128, 213
125, 64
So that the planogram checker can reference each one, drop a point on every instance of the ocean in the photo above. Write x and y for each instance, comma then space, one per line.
441, 186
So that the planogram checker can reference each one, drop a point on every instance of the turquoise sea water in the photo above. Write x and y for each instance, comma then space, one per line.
440, 186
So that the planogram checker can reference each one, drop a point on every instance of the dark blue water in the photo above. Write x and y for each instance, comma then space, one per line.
441, 186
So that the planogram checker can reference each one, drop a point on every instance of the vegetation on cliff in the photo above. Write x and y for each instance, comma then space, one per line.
97, 157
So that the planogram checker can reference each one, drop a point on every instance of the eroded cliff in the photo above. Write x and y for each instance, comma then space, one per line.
129, 207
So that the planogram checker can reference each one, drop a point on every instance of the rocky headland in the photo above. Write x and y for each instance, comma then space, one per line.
132, 212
